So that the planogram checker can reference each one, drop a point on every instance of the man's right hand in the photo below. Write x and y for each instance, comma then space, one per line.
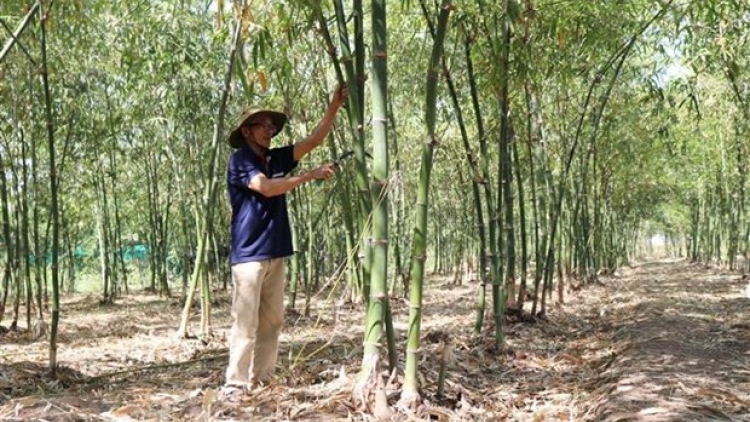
324, 172
340, 95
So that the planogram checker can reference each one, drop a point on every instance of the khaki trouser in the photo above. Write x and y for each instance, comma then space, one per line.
258, 314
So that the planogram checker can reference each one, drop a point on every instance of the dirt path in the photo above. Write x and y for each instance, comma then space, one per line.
680, 338
662, 341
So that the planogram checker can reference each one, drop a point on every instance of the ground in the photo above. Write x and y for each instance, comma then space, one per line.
659, 341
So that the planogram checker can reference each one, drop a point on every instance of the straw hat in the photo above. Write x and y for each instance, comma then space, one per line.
236, 140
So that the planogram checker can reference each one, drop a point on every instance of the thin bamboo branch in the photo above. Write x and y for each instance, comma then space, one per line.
21, 27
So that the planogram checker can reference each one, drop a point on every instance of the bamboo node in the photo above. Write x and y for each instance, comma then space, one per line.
433, 141
378, 296
372, 241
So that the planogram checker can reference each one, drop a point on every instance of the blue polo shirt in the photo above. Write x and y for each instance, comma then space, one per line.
260, 225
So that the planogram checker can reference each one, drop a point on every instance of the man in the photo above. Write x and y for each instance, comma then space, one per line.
257, 180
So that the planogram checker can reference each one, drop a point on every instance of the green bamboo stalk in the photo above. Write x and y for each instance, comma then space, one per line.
66, 229
54, 198
475, 175
354, 64
492, 217
397, 201
7, 240
522, 222
378, 299
410, 393
540, 180
349, 217
205, 323
153, 219
25, 249
294, 262
310, 259
19, 262
39, 260
490, 30
506, 185
359, 147
117, 235
598, 250
210, 193
103, 240
206, 329
164, 221
694, 229
355, 76
184, 248
63, 226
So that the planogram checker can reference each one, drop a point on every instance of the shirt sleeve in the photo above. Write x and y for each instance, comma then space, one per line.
241, 169
284, 159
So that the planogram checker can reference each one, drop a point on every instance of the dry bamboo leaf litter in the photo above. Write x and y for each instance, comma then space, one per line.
611, 353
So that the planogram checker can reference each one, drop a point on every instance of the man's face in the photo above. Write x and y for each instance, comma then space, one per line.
260, 130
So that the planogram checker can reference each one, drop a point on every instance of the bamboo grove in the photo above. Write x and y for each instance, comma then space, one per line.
525, 146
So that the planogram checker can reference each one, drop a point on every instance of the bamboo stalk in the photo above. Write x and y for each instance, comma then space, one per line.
507, 292
492, 217
54, 198
410, 394
377, 296
210, 194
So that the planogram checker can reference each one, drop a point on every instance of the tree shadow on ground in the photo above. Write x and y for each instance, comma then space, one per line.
18, 336
23, 378
682, 347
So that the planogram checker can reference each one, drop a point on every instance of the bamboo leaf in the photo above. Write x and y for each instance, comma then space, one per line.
561, 36
219, 13
262, 80
246, 82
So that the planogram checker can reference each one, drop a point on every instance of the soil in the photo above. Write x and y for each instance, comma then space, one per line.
659, 341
